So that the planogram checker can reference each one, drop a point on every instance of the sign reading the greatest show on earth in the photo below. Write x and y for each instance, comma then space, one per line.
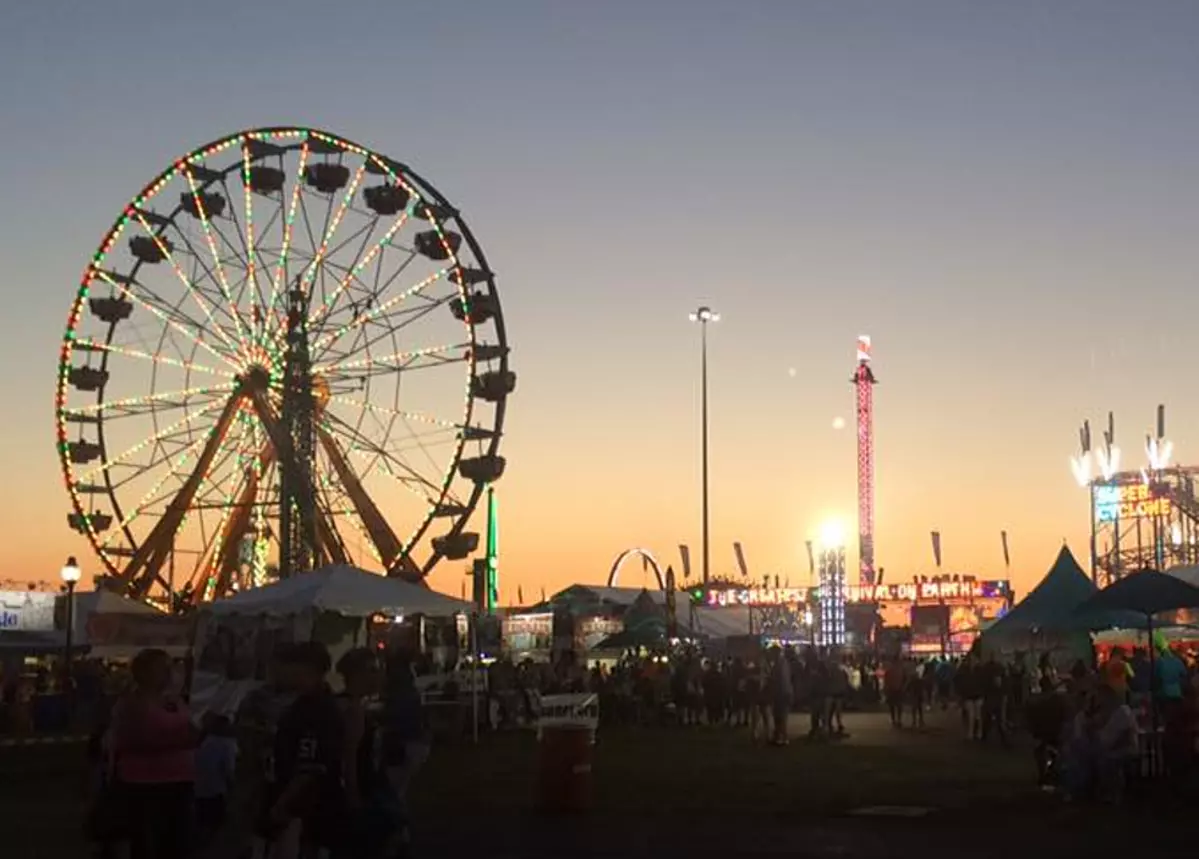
900, 592
1133, 501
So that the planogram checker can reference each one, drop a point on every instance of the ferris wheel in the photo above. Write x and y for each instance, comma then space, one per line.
287, 351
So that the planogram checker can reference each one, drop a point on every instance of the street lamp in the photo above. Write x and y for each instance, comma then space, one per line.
703, 315
70, 574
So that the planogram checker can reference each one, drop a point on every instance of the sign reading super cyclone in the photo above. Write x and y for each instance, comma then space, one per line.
1129, 501
26, 611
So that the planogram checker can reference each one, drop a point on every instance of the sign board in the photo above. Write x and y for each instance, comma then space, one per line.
580, 710
1129, 501
901, 592
26, 611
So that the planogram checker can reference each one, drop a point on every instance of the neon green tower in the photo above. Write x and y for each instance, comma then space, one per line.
493, 547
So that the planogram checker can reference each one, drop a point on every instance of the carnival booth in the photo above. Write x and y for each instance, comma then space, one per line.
333, 605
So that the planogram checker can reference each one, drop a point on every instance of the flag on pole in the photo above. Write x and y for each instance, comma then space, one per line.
685, 554
741, 560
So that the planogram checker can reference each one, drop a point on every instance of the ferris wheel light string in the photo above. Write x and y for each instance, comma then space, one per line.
327, 307
128, 293
251, 271
222, 279
88, 344
141, 445
91, 408
288, 228
147, 497
414, 416
345, 364
309, 273
337, 334
183, 278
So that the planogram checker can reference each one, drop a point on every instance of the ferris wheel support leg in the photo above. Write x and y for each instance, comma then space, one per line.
329, 546
385, 540
236, 527
143, 568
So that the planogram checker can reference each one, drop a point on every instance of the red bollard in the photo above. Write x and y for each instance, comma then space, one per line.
566, 768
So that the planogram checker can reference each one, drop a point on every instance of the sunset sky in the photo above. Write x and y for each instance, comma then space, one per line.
1005, 196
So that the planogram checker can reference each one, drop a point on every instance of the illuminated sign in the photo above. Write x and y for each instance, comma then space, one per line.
903, 592
1131, 501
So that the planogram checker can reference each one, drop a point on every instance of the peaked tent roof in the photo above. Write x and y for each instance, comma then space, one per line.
1050, 605
342, 589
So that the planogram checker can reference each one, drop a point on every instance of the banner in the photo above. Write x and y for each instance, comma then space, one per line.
741, 560
937, 548
579, 710
27, 611
685, 554
1007, 558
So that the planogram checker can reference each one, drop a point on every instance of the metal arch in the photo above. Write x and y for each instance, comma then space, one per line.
644, 553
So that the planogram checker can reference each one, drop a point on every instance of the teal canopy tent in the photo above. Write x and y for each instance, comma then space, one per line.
1044, 620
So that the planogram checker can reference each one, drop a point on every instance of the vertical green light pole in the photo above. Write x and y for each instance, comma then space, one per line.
493, 548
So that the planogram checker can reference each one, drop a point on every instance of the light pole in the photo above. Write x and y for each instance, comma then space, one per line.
70, 575
832, 584
703, 315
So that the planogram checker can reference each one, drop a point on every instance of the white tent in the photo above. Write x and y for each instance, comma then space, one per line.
238, 634
343, 590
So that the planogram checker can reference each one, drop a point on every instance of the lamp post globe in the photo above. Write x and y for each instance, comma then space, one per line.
71, 574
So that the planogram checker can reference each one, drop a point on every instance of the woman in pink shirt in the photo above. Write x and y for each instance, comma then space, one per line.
153, 746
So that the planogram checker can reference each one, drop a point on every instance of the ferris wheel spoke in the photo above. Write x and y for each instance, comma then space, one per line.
168, 253
179, 426
288, 231
390, 363
367, 448
86, 344
190, 335
242, 256
331, 268
195, 283
380, 310
247, 232
372, 295
149, 497
360, 263
165, 396
206, 223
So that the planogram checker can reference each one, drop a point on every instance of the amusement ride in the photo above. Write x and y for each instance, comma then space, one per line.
288, 351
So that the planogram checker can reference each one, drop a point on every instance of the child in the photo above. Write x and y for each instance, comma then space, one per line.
216, 762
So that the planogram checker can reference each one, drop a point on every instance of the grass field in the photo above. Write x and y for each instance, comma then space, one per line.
684, 792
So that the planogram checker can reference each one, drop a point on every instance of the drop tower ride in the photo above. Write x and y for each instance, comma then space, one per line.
863, 382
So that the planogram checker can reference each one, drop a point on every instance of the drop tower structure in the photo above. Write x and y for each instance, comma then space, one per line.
863, 381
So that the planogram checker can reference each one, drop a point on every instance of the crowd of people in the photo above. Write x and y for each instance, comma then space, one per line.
295, 768
301, 771
1089, 725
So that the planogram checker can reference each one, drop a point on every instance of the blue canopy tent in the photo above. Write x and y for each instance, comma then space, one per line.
1044, 621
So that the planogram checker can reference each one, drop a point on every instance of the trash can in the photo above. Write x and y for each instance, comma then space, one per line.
566, 768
